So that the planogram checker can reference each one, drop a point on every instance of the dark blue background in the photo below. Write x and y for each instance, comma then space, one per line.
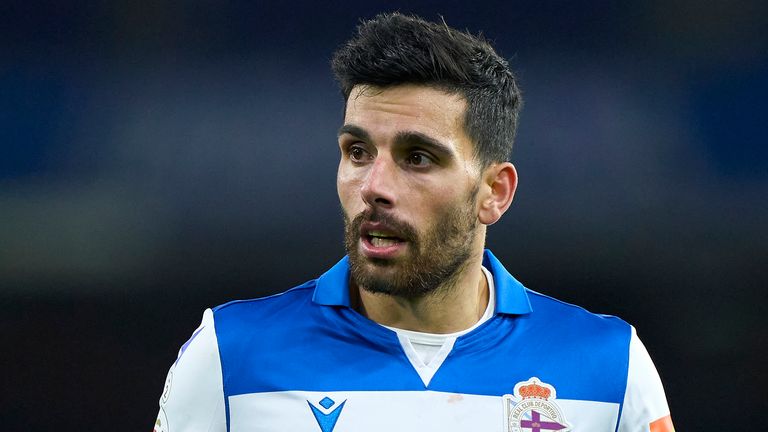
158, 158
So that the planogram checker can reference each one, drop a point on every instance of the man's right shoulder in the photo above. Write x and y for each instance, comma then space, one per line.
283, 305
278, 312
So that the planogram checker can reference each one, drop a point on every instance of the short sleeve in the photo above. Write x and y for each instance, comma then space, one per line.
645, 406
193, 397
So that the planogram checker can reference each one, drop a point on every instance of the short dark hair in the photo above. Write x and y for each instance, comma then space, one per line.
393, 49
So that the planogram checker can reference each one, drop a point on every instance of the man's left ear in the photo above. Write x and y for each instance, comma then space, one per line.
497, 191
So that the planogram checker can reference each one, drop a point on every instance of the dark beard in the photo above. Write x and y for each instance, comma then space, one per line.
434, 261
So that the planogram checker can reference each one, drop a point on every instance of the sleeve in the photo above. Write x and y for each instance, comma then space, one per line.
193, 396
645, 406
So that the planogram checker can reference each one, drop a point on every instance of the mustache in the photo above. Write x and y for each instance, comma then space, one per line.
402, 229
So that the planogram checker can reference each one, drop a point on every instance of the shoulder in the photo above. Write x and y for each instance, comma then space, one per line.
284, 304
562, 314
575, 348
600, 340
266, 323
544, 314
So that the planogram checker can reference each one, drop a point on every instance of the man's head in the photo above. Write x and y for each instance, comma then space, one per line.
429, 121
393, 49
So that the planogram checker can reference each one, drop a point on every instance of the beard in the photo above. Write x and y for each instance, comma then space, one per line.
434, 259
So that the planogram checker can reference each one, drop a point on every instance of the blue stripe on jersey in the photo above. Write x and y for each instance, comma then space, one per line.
308, 338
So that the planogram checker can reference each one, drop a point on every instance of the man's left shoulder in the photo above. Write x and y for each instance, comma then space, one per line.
576, 321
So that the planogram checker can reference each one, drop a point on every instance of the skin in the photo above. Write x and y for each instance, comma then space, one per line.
418, 181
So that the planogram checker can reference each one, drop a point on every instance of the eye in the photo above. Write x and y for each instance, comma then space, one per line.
419, 159
358, 154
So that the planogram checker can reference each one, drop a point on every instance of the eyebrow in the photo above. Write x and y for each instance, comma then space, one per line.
404, 137
422, 140
355, 131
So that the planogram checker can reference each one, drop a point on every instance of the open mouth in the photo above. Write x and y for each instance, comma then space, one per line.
384, 239
381, 239
378, 241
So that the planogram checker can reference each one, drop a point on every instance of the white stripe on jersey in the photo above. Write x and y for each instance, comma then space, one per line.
194, 396
388, 411
644, 399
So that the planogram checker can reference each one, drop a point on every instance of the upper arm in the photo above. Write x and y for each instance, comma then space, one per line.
193, 396
645, 404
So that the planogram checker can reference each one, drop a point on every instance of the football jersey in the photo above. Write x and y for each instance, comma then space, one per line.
305, 361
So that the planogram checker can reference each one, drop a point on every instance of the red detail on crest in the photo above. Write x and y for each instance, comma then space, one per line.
535, 391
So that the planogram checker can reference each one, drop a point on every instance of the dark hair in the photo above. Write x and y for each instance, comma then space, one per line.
394, 49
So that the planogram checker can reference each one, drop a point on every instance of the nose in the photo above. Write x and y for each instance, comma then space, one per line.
379, 188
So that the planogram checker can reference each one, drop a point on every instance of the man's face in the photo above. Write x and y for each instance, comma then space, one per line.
407, 182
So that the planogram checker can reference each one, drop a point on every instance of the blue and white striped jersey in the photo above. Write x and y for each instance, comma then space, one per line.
305, 361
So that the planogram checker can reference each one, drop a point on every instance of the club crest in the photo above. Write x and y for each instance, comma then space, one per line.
533, 409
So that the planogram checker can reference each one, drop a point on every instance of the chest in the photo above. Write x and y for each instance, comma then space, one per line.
375, 411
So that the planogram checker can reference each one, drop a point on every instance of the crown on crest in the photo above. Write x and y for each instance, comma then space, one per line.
534, 390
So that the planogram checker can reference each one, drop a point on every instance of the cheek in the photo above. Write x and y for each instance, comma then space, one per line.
348, 189
430, 207
444, 201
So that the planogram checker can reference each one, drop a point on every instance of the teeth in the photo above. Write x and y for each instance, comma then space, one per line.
382, 242
378, 234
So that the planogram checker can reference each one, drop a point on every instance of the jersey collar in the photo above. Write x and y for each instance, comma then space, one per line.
332, 288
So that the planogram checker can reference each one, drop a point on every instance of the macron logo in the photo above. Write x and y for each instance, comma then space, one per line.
327, 419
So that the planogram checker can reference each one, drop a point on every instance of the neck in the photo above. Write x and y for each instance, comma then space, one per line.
457, 305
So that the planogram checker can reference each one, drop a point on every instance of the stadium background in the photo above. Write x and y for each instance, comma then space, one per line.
159, 159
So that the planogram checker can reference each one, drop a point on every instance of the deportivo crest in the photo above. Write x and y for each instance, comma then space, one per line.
533, 409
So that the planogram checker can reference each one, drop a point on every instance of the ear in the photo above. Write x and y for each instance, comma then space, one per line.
499, 185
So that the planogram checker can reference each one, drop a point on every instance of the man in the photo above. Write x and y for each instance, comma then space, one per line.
418, 328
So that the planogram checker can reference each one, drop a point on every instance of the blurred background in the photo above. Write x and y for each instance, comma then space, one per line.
157, 159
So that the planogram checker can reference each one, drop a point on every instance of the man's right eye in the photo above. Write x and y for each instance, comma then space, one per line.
357, 154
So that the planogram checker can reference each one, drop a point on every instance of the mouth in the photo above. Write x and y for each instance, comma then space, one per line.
382, 239
380, 242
